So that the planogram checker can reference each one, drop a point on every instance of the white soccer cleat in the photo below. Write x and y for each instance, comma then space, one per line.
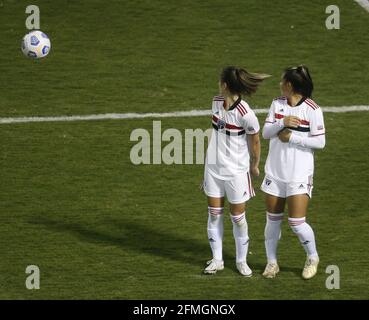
244, 269
271, 270
213, 266
310, 268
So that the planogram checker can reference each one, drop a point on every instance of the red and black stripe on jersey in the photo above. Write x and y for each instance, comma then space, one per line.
238, 130
218, 98
241, 109
311, 104
303, 127
236, 105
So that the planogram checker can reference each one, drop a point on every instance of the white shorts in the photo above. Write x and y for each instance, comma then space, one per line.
238, 190
281, 189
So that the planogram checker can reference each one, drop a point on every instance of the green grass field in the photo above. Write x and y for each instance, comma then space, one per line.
99, 227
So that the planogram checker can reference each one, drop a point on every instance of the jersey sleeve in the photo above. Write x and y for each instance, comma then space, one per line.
215, 104
213, 107
250, 123
317, 126
271, 115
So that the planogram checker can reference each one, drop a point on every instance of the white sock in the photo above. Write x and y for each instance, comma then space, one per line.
305, 234
215, 232
272, 235
240, 233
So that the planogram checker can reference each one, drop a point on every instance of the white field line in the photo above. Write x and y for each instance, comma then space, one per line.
176, 114
364, 4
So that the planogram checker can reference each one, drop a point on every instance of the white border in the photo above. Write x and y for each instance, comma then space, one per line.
176, 114
363, 3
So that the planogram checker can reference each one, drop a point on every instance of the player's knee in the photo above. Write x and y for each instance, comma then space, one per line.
238, 219
295, 223
215, 214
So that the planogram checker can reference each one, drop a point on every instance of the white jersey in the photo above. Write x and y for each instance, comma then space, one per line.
288, 162
228, 153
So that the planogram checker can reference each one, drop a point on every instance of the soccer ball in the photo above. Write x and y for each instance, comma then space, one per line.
36, 44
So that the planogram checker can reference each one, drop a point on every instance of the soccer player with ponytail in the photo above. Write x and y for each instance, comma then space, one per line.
232, 159
295, 127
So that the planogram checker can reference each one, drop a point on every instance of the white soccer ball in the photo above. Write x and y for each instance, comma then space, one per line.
36, 44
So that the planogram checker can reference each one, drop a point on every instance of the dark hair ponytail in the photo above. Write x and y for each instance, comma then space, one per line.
300, 79
240, 81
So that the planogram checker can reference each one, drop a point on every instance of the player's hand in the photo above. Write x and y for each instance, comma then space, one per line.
291, 121
254, 171
284, 135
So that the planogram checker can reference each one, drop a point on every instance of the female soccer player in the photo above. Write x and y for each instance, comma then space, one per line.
295, 127
228, 163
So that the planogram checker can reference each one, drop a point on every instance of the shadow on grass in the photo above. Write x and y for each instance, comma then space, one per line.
146, 239
137, 237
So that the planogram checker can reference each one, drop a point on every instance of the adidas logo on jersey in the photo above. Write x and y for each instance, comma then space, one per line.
301, 186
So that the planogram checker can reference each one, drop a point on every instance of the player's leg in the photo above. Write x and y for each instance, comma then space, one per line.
215, 227
275, 193
214, 189
241, 237
239, 190
297, 209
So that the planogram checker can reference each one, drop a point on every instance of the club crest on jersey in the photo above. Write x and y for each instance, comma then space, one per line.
221, 124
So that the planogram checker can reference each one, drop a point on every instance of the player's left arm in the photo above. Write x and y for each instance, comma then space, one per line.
253, 141
316, 140
252, 128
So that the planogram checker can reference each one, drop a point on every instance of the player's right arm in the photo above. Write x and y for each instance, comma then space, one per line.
253, 141
252, 129
272, 125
